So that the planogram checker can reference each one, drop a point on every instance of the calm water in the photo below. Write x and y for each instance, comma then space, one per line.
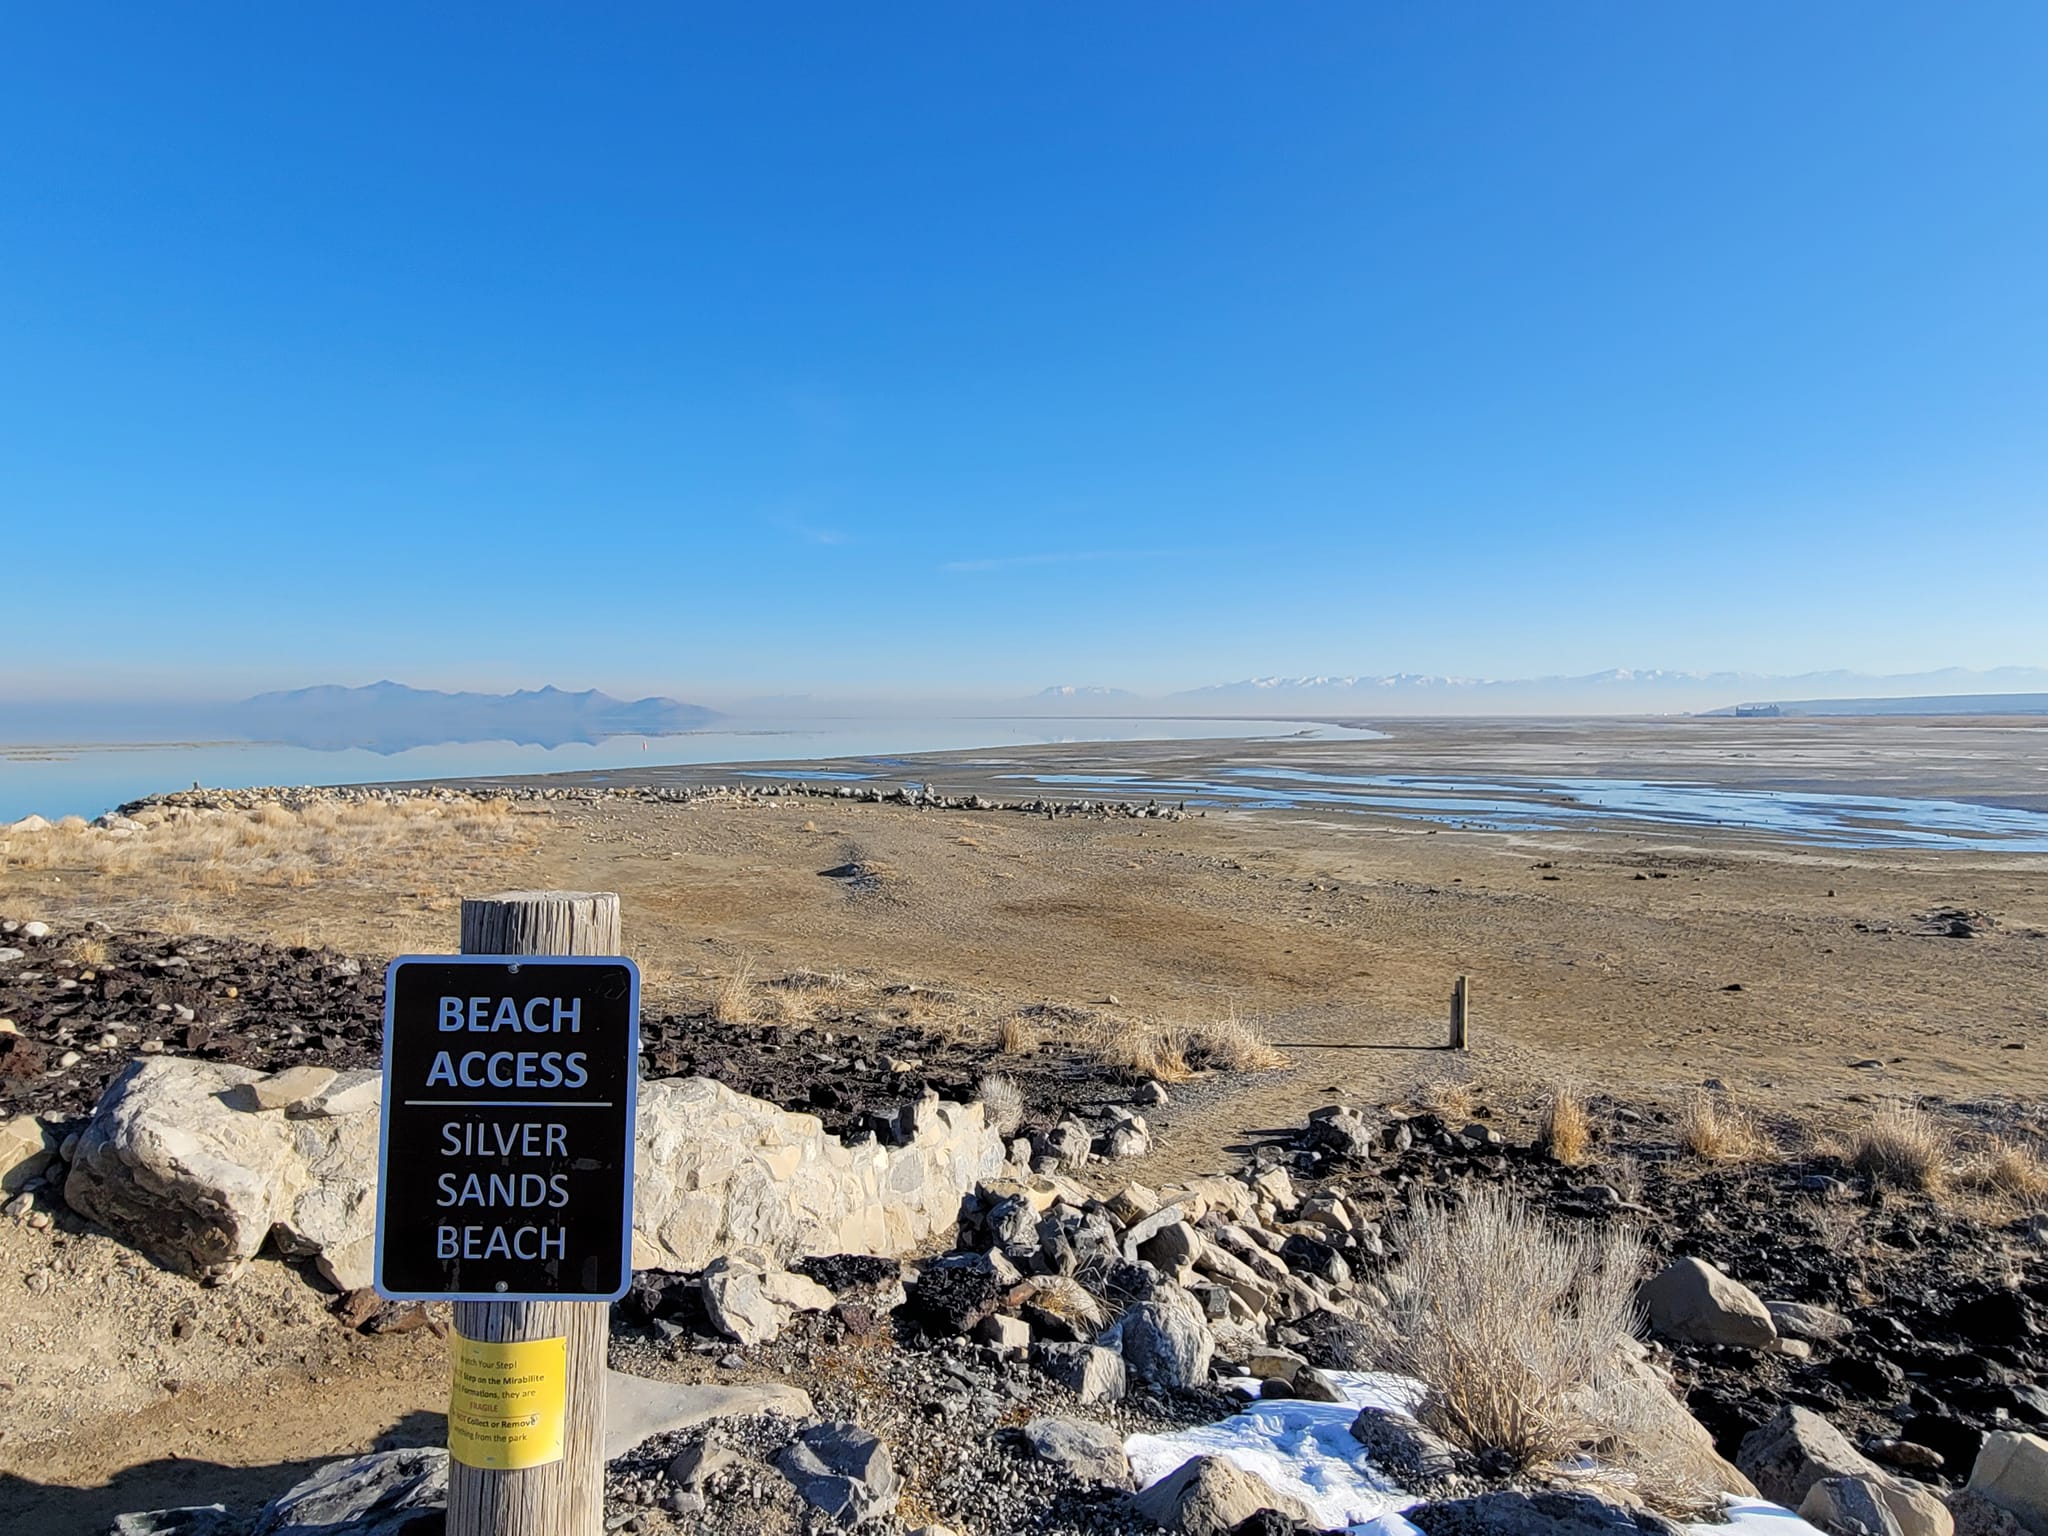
85, 780
1551, 804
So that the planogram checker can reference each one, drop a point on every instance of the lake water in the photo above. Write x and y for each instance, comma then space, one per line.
86, 779
1542, 804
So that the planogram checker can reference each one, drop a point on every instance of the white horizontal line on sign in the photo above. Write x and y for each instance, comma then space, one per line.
509, 1103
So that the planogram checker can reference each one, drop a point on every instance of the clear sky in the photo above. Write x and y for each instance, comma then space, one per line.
842, 346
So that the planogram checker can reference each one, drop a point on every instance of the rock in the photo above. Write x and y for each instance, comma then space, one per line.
1847, 1506
1343, 1131
195, 1520
1333, 1342
1415, 1458
34, 930
358, 1092
1905, 1453
1692, 1300
695, 1465
1308, 1256
1006, 1335
1093, 1453
1131, 1204
796, 1292
1794, 1450
1518, 1513
1975, 1516
1065, 1145
716, 1171
169, 1167
1093, 1374
386, 1494
1312, 1386
1164, 1341
2011, 1473
954, 1293
1270, 1364
1209, 1496
637, 1409
737, 1299
1173, 1249
1327, 1210
1150, 1093
26, 1151
1126, 1139
1816, 1325
1271, 1183
1915, 1508
843, 1470
283, 1089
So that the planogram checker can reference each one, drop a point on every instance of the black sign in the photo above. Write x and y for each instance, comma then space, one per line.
506, 1171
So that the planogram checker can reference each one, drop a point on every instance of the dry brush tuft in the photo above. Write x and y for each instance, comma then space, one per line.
1902, 1147
1520, 1332
1720, 1132
1566, 1132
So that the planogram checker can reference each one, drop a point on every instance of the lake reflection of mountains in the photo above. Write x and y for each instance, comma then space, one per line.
390, 717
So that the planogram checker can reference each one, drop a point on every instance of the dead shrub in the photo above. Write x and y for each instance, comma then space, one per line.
1517, 1330
1902, 1147
1231, 1044
1720, 1132
1450, 1099
1004, 1102
733, 1001
1567, 1130
2010, 1170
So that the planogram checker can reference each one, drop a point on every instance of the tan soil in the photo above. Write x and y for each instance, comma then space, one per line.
1341, 933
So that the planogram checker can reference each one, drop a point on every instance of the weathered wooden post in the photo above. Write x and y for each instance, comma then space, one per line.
564, 1497
1461, 1004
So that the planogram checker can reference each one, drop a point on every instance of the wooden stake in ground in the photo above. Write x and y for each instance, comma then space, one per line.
566, 1497
1461, 1003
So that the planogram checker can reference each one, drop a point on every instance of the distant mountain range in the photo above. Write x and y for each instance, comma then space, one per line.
1619, 690
391, 717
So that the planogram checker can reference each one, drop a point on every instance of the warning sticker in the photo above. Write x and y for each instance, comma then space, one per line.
508, 1403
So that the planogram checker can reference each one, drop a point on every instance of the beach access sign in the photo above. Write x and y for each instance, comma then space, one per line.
506, 1165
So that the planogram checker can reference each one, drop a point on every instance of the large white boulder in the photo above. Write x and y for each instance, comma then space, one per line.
717, 1171
197, 1164
168, 1164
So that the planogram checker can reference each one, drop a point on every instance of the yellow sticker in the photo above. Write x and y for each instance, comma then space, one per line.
509, 1403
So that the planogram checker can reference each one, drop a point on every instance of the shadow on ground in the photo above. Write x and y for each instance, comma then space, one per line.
175, 1482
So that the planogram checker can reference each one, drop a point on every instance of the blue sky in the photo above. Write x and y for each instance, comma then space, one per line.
831, 347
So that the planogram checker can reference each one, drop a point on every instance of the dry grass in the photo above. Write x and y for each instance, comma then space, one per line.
1902, 1147
733, 1001
1004, 1102
1016, 1035
2009, 1170
1566, 1131
1517, 1329
223, 852
1720, 1132
87, 951
1450, 1099
1232, 1044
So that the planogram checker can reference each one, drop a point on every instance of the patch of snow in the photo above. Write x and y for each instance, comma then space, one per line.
1305, 1449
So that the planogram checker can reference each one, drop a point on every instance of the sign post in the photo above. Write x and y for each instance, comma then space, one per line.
506, 1186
